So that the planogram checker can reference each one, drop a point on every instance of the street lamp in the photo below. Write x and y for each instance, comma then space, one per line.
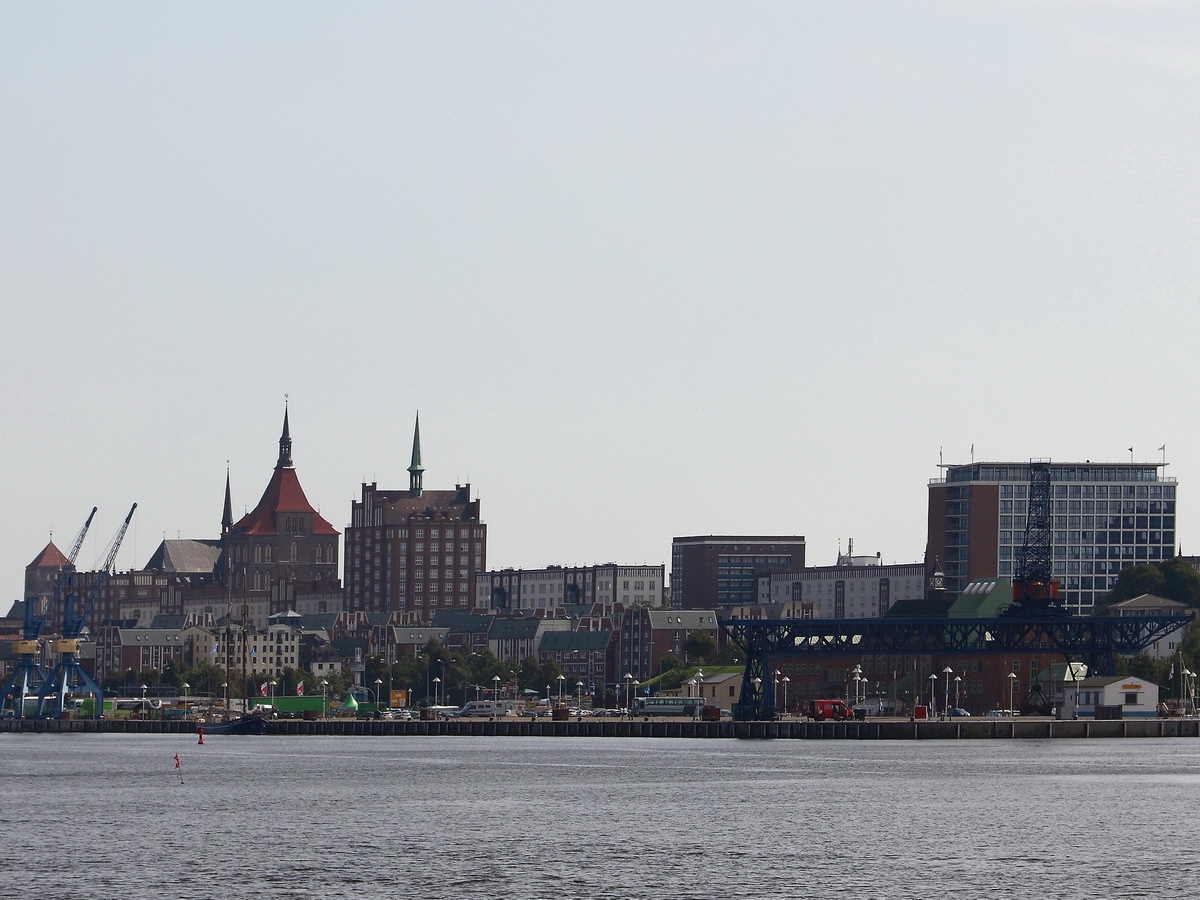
561, 679
784, 681
436, 683
378, 695
957, 685
1012, 686
495, 687
932, 692
579, 696
324, 699
187, 690
628, 694
946, 698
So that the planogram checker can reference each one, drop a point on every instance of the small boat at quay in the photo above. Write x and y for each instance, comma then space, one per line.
240, 725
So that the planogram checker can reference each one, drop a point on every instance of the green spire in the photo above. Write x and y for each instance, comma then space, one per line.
415, 469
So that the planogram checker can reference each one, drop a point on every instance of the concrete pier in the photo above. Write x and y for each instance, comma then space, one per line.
790, 729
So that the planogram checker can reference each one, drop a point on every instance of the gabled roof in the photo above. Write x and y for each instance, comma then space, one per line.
566, 641
461, 622
168, 622
50, 558
186, 557
283, 495
514, 629
1148, 602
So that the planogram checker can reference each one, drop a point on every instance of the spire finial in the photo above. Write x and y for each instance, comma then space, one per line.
285, 441
415, 469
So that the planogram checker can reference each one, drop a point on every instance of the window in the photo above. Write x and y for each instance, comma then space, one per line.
1131, 699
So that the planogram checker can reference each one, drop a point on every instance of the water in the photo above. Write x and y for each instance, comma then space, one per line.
105, 816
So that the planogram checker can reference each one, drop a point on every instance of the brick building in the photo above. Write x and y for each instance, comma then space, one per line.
722, 571
413, 552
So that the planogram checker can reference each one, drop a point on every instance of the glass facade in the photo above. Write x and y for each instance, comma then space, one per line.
1103, 518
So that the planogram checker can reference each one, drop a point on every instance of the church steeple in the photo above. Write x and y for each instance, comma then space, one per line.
227, 515
415, 469
285, 444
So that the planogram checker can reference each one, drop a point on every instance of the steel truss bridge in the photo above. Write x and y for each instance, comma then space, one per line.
1095, 640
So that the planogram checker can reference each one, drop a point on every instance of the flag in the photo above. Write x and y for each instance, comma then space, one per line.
1163, 448
262, 691
300, 689
177, 760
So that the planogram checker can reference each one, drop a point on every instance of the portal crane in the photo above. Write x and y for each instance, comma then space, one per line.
69, 676
1035, 592
27, 676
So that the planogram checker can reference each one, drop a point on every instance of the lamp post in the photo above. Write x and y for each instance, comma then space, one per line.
274, 684
784, 681
629, 694
379, 696
856, 677
225, 694
436, 686
187, 690
946, 697
1012, 686
932, 692
561, 679
495, 687
324, 699
579, 696
957, 685
125, 687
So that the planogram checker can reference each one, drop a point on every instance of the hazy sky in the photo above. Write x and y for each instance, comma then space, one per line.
645, 269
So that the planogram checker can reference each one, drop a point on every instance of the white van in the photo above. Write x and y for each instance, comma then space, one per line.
489, 707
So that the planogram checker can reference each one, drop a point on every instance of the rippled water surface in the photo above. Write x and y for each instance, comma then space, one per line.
105, 816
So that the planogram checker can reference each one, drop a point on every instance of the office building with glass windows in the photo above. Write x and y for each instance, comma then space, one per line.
1104, 517
721, 571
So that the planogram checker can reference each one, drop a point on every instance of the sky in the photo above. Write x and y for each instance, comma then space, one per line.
645, 270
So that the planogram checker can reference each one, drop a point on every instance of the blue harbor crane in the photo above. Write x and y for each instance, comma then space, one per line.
27, 677
69, 677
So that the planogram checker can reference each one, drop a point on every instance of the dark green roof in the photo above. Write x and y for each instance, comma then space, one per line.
566, 641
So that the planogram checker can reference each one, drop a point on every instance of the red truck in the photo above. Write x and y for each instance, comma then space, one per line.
827, 709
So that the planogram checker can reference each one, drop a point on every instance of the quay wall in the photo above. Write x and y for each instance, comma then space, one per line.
878, 730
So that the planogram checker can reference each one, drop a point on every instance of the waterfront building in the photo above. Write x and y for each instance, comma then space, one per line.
582, 656
1105, 516
601, 589
41, 575
1136, 697
645, 636
855, 588
721, 571
1153, 605
412, 552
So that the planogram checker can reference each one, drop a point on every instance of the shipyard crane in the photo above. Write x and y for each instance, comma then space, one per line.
1035, 592
27, 676
69, 676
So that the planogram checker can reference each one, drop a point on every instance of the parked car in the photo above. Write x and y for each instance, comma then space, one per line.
957, 711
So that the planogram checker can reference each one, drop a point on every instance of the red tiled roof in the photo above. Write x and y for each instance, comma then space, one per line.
50, 558
283, 495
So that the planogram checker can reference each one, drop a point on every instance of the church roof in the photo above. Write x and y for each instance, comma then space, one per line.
50, 558
189, 557
283, 495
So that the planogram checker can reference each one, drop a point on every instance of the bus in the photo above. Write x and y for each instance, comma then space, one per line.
669, 706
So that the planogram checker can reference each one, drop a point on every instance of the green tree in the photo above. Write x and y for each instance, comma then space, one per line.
699, 646
1133, 581
1181, 582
